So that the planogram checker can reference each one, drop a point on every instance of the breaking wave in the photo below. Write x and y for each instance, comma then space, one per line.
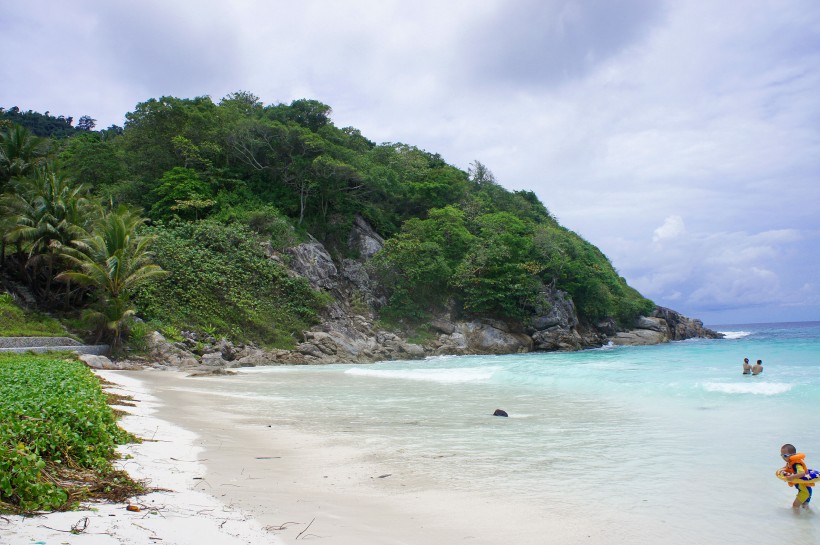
760, 388
444, 376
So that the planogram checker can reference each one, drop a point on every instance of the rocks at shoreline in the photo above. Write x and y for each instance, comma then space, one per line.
102, 362
357, 341
663, 326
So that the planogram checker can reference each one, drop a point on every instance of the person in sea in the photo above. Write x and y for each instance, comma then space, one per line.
757, 368
747, 368
796, 466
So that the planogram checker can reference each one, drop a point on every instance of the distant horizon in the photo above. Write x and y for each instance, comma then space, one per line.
758, 324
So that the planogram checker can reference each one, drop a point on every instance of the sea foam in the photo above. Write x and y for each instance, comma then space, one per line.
760, 388
445, 376
735, 334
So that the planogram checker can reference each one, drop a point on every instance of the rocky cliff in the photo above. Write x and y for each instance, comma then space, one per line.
349, 334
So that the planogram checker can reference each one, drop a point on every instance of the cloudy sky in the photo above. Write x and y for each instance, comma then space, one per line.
680, 137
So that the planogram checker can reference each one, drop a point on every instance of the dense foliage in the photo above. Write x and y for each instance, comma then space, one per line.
57, 434
114, 260
496, 264
217, 172
221, 282
47, 125
73, 252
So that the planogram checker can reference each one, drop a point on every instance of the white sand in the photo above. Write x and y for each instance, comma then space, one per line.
279, 486
184, 516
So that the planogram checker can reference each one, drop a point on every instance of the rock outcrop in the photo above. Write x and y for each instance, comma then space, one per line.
95, 361
663, 326
477, 337
160, 349
364, 239
681, 328
313, 261
554, 325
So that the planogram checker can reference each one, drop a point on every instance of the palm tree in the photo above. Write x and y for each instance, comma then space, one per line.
114, 259
40, 213
20, 151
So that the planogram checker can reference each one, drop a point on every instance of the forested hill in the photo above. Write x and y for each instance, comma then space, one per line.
215, 180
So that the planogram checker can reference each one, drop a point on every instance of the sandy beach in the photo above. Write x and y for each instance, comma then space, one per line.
182, 513
235, 481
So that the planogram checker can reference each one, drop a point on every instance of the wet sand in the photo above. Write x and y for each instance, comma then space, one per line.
287, 480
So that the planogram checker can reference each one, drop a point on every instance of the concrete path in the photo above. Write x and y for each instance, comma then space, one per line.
47, 344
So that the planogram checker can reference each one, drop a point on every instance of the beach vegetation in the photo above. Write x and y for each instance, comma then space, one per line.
58, 436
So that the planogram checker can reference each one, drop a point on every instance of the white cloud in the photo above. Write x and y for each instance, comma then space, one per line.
673, 227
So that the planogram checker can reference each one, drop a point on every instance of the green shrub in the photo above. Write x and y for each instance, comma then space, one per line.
16, 322
220, 280
54, 419
138, 332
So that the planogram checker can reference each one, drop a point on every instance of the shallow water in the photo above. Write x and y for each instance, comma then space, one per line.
671, 434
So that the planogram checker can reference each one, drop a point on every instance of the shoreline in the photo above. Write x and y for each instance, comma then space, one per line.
288, 480
293, 483
178, 513
237, 481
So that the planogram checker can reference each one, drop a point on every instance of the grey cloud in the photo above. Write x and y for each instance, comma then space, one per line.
729, 271
167, 47
537, 42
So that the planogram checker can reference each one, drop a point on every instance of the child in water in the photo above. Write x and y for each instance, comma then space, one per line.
797, 467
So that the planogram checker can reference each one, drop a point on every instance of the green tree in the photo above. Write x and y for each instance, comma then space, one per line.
42, 125
310, 114
446, 227
86, 123
242, 104
417, 264
42, 212
151, 128
181, 193
95, 159
496, 275
20, 153
283, 153
436, 189
114, 260
415, 273
588, 276
334, 179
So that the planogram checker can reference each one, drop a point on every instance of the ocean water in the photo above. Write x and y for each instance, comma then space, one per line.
673, 436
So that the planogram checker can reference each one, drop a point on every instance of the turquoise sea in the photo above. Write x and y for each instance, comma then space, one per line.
672, 434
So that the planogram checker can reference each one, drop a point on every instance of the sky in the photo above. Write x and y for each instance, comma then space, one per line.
682, 138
